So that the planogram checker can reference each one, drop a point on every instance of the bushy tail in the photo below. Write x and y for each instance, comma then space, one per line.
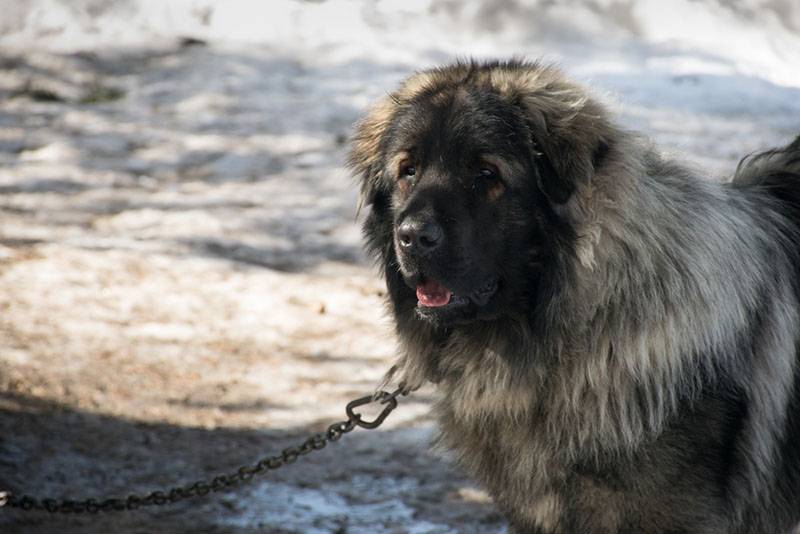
777, 172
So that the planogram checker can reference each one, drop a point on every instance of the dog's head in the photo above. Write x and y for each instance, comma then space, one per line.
466, 170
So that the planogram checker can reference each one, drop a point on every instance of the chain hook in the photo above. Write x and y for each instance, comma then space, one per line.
382, 397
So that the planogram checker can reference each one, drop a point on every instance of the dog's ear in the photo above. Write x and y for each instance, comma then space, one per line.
568, 130
366, 153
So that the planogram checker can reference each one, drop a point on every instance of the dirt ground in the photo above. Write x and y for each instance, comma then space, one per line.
183, 291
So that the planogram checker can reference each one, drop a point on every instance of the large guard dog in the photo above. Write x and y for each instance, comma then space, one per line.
615, 339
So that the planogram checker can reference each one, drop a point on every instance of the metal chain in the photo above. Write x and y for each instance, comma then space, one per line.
217, 483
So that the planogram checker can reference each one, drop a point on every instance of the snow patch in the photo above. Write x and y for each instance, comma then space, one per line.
322, 511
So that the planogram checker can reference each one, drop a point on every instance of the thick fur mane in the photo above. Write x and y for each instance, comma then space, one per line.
619, 347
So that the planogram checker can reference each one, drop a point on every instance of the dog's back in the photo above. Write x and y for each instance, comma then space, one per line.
775, 174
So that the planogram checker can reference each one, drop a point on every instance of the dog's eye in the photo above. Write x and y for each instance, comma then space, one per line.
407, 169
489, 181
488, 171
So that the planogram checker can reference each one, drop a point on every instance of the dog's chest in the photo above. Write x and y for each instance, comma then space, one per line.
514, 453
500, 426
491, 418
502, 449
535, 487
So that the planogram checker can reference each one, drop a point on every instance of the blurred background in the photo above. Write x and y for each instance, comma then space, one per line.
182, 285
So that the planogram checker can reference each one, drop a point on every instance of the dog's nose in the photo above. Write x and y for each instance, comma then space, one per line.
420, 235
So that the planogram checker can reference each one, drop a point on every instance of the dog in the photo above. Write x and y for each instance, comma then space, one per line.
614, 339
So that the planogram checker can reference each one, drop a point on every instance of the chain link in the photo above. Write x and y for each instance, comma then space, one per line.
218, 483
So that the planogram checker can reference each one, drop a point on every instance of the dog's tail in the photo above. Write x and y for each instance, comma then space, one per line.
776, 172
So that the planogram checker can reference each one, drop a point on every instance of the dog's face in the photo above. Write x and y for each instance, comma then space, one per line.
463, 194
459, 165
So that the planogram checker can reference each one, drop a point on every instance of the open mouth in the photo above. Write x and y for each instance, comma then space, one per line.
432, 294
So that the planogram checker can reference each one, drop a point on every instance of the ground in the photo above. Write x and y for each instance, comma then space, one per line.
183, 288
183, 291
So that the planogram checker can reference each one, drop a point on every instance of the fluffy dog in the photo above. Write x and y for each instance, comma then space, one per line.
615, 339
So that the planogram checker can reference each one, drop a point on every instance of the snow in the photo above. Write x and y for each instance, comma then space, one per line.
751, 37
183, 264
323, 511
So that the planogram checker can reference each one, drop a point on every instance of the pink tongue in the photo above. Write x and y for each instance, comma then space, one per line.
432, 294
